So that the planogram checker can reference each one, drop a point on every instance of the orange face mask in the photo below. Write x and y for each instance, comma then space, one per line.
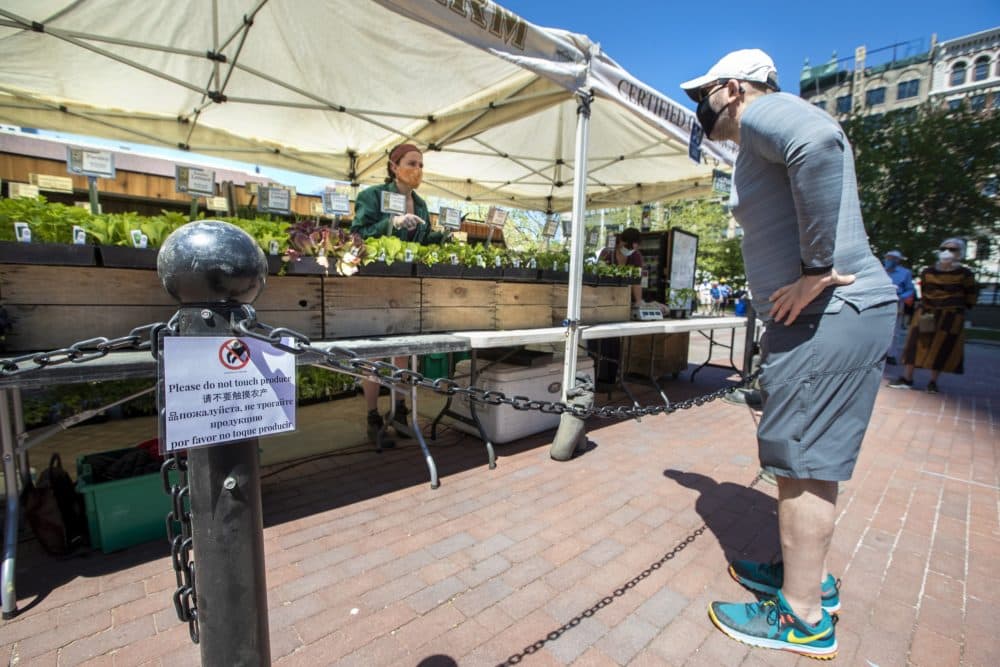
410, 176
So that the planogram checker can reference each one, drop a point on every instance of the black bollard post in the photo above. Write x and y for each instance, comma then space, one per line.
211, 268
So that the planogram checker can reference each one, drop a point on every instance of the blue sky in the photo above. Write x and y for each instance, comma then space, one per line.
663, 43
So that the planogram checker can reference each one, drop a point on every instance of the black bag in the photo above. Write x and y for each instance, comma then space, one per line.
55, 510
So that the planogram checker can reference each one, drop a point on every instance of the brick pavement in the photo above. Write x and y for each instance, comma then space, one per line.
529, 562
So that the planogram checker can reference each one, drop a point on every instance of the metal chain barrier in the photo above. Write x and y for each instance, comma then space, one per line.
181, 543
178, 520
617, 593
140, 338
346, 361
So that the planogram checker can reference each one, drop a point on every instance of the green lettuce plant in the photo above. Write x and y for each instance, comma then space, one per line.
49, 223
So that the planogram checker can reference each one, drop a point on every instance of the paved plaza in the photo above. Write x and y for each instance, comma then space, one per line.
609, 559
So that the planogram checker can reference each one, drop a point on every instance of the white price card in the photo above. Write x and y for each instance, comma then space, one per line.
336, 203
22, 232
274, 199
393, 202
218, 390
89, 162
450, 218
496, 216
194, 181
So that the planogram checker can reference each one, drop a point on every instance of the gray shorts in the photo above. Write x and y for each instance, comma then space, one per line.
819, 380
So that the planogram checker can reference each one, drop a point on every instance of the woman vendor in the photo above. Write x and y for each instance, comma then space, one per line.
378, 214
394, 209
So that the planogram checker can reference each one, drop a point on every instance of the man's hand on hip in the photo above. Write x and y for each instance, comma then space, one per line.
788, 301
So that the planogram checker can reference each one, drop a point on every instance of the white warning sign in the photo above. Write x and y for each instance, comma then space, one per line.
218, 390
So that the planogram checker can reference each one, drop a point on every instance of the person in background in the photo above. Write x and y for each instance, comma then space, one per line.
716, 293
936, 339
902, 278
705, 298
726, 291
829, 309
411, 222
625, 253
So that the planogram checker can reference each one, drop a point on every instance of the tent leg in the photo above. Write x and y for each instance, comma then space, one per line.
576, 249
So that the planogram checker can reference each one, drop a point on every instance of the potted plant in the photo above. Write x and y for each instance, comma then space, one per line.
320, 249
630, 275
50, 227
129, 240
679, 302
441, 261
553, 265
521, 266
483, 262
271, 235
389, 256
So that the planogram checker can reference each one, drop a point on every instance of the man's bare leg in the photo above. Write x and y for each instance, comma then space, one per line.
806, 512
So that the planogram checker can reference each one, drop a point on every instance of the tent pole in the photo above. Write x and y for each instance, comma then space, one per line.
577, 240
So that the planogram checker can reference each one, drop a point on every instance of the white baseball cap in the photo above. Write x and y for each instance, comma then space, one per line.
742, 65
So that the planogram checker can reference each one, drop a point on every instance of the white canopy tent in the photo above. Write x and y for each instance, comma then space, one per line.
328, 86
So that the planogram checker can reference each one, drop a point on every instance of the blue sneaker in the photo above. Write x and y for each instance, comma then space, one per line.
771, 623
767, 578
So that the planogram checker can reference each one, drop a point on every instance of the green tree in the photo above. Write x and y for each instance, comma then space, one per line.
921, 176
718, 255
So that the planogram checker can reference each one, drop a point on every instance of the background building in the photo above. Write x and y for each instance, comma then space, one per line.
872, 82
968, 69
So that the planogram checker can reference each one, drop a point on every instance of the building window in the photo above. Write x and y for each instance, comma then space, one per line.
954, 105
996, 100
821, 104
958, 74
908, 89
875, 96
978, 102
982, 69
844, 104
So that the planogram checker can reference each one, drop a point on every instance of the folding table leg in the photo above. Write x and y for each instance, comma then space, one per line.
490, 455
415, 430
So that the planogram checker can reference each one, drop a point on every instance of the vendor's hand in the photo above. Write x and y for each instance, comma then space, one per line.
410, 221
788, 301
406, 221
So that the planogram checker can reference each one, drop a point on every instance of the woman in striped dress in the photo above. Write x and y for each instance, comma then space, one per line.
936, 339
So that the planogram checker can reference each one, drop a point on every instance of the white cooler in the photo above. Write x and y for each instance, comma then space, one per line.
503, 423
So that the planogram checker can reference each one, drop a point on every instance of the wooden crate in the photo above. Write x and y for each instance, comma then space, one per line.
457, 305
360, 306
670, 354
55, 306
523, 305
605, 303
295, 302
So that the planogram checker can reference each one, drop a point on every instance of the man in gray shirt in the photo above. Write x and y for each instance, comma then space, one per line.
829, 309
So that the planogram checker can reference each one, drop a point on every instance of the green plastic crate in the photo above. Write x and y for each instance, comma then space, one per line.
435, 365
123, 512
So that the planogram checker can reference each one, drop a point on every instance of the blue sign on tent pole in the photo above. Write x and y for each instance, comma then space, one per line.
694, 143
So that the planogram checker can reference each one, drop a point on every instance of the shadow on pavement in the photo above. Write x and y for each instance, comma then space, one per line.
743, 519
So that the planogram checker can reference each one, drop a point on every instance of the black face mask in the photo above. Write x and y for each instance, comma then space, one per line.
707, 116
